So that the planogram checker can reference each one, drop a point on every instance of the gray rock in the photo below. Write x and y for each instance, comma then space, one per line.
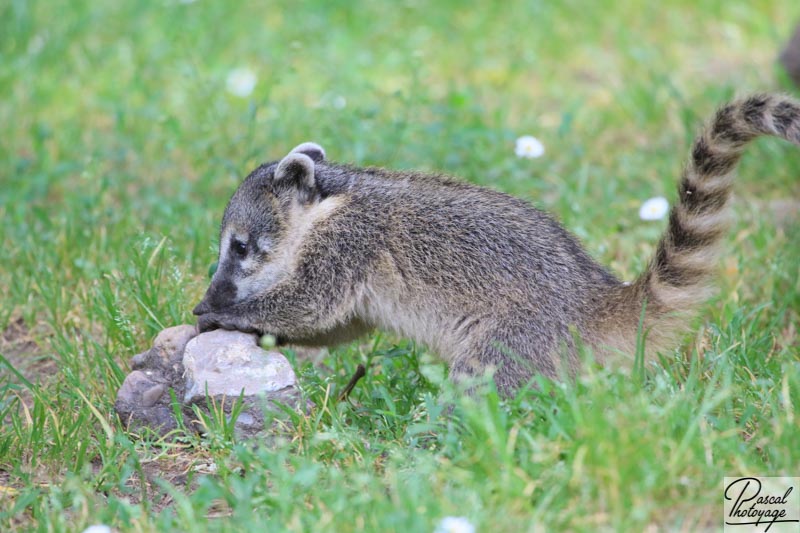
142, 404
167, 351
209, 371
225, 363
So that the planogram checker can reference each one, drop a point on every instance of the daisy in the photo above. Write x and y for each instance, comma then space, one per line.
654, 208
241, 82
529, 147
455, 524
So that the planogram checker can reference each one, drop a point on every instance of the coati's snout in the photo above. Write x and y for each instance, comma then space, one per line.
219, 296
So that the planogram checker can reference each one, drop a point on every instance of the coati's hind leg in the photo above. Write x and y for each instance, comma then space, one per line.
512, 358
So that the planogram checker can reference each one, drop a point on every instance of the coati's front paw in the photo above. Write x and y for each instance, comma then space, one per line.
209, 321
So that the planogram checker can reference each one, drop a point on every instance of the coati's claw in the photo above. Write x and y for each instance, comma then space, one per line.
209, 321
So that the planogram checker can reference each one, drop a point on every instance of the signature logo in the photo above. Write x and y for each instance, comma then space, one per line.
762, 504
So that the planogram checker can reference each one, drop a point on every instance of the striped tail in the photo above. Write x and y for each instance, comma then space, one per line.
680, 276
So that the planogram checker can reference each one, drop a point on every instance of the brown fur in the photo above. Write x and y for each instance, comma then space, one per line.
316, 252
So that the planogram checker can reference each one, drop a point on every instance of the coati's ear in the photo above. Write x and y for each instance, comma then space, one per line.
312, 150
295, 171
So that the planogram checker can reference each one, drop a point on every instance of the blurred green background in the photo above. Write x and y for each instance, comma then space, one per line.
121, 141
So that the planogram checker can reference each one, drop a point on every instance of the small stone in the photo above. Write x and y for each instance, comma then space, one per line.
134, 386
167, 350
228, 363
246, 419
171, 342
138, 406
152, 395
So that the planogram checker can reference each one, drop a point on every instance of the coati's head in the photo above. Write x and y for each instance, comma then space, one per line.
254, 243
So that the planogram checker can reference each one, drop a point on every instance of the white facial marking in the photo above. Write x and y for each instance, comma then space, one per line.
264, 243
247, 263
259, 281
225, 245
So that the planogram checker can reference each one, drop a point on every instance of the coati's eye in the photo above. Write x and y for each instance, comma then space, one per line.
238, 247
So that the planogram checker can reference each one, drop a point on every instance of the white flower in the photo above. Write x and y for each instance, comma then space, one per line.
455, 524
654, 208
529, 147
97, 528
241, 82
339, 102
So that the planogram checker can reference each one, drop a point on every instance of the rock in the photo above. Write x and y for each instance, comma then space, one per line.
223, 363
141, 403
207, 371
167, 351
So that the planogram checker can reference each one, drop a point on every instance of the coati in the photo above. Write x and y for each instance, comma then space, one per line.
319, 253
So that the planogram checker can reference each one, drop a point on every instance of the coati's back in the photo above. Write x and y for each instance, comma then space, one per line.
324, 251
462, 264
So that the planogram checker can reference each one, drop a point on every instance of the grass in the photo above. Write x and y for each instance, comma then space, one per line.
119, 147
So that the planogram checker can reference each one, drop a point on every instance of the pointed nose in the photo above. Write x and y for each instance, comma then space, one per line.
220, 294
